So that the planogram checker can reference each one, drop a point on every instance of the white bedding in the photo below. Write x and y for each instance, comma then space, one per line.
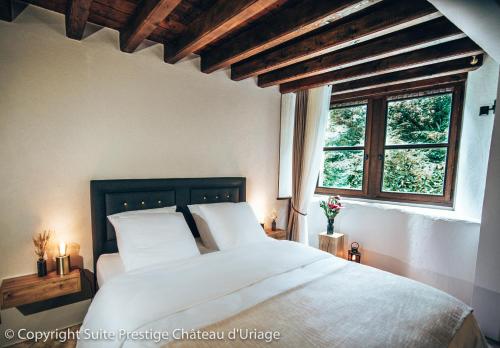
110, 265
200, 291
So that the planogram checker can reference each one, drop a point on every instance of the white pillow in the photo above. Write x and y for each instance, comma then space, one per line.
148, 239
202, 225
170, 209
232, 225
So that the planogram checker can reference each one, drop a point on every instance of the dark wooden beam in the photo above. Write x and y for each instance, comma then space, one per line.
435, 54
453, 67
287, 24
77, 14
148, 17
10, 9
222, 17
423, 35
438, 82
383, 19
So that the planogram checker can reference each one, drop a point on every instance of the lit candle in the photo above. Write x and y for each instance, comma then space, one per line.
62, 249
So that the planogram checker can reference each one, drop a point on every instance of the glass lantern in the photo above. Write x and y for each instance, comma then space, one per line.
354, 255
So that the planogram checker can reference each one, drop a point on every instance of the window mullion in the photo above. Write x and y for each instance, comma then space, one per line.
376, 146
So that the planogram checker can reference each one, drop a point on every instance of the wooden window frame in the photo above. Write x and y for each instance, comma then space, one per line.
375, 136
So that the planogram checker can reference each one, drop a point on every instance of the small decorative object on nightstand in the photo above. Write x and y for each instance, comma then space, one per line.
31, 288
40, 242
274, 217
354, 254
63, 265
276, 234
332, 243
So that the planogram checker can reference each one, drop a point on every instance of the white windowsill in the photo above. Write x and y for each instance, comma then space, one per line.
436, 213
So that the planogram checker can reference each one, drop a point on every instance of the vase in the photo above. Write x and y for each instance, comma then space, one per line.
41, 267
330, 227
273, 225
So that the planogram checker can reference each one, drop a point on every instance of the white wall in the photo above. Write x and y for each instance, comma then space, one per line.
74, 111
437, 247
412, 242
477, 18
486, 300
475, 140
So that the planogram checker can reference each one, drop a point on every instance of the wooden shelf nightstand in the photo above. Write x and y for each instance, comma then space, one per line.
278, 234
29, 289
332, 243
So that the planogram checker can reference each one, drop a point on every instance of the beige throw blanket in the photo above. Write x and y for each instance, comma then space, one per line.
353, 307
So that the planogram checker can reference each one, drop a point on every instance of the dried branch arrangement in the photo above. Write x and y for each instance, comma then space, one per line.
40, 242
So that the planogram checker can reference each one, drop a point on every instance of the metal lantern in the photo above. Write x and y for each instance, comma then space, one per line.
354, 255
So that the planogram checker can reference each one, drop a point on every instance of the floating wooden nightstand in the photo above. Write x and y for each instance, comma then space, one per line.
278, 234
332, 243
29, 289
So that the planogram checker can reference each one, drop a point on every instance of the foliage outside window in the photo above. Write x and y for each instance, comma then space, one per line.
400, 148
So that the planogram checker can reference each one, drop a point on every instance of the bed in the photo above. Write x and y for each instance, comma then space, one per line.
276, 293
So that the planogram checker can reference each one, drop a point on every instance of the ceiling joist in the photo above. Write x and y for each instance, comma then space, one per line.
285, 25
77, 14
407, 87
389, 17
221, 18
10, 9
148, 17
453, 67
423, 35
435, 54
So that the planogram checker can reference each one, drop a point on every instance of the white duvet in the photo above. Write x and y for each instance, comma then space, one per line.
148, 307
196, 292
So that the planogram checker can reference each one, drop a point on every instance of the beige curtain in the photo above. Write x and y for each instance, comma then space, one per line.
311, 115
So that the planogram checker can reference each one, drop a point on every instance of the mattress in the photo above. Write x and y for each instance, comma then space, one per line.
110, 265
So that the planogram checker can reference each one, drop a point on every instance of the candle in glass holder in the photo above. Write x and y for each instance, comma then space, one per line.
62, 261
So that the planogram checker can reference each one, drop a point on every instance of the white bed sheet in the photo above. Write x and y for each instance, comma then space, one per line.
111, 265
108, 267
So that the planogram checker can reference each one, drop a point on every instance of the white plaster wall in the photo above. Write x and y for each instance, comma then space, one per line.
475, 140
477, 18
411, 242
486, 300
74, 111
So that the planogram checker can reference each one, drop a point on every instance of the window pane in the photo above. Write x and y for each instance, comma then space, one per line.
422, 120
415, 171
346, 126
342, 169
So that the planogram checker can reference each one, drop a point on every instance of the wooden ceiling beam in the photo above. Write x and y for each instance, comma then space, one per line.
388, 17
10, 9
142, 24
435, 54
423, 35
222, 17
287, 24
453, 67
438, 82
77, 14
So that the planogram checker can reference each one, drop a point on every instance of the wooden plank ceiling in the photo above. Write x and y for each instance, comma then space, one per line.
361, 47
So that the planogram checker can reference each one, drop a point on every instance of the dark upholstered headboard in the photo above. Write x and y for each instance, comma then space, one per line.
114, 196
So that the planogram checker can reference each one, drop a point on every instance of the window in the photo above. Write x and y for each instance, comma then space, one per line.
394, 147
344, 151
